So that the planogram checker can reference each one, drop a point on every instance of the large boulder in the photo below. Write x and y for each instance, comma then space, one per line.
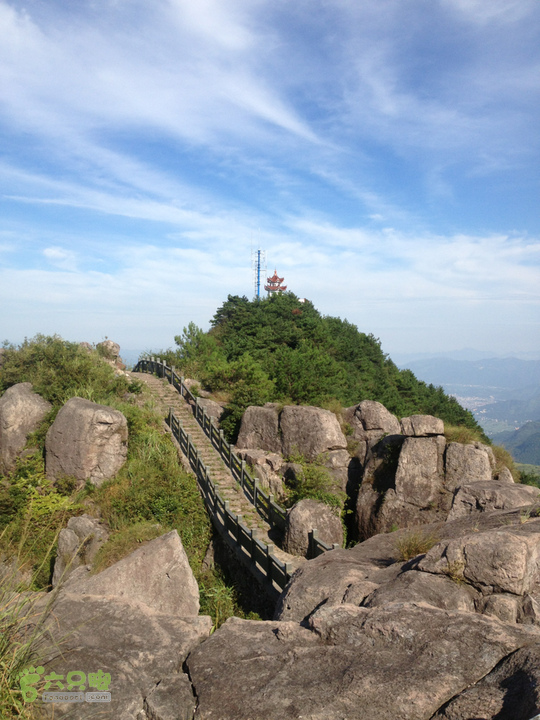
212, 408
310, 431
496, 561
403, 660
157, 574
109, 349
492, 495
78, 544
422, 426
21, 412
420, 471
413, 586
466, 464
137, 646
260, 430
509, 692
302, 518
86, 441
369, 422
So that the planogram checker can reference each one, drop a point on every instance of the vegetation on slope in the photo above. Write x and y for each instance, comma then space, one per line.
281, 350
149, 496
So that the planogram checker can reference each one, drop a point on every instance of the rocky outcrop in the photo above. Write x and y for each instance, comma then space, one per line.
302, 518
87, 441
349, 662
138, 648
265, 467
78, 544
310, 431
212, 408
421, 426
260, 430
369, 422
21, 411
497, 561
157, 574
466, 464
109, 349
487, 496
137, 621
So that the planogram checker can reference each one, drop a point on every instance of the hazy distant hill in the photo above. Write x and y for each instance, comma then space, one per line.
524, 444
494, 374
521, 411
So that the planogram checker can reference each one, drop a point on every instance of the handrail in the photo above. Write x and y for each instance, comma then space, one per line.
264, 504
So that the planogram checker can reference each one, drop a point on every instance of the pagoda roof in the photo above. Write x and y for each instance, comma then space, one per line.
275, 278
273, 288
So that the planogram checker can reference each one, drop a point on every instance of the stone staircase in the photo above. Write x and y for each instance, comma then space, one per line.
166, 396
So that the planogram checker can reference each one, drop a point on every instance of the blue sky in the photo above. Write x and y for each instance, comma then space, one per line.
384, 153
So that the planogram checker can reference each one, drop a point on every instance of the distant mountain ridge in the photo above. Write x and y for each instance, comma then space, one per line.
491, 373
523, 444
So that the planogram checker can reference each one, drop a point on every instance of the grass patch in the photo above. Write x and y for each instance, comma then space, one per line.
462, 434
124, 542
504, 459
413, 544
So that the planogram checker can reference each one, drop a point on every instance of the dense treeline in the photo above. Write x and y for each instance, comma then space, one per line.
279, 349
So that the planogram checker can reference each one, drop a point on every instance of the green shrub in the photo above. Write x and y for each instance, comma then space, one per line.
59, 370
315, 483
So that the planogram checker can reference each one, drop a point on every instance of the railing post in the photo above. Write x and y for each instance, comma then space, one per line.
288, 570
238, 529
255, 491
254, 533
172, 375
242, 473
269, 553
182, 385
220, 442
270, 508
216, 497
230, 455
336, 546
170, 417
314, 534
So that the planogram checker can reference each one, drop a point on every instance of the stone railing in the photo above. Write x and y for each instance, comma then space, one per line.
226, 522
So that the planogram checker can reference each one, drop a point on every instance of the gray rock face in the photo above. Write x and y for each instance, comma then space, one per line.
505, 476
420, 471
422, 426
303, 517
260, 430
369, 421
212, 408
86, 441
78, 544
466, 464
435, 590
493, 495
172, 699
328, 580
110, 349
502, 561
157, 574
402, 660
310, 431
510, 692
136, 645
21, 412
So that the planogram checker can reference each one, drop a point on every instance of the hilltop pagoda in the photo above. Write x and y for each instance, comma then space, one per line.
274, 284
